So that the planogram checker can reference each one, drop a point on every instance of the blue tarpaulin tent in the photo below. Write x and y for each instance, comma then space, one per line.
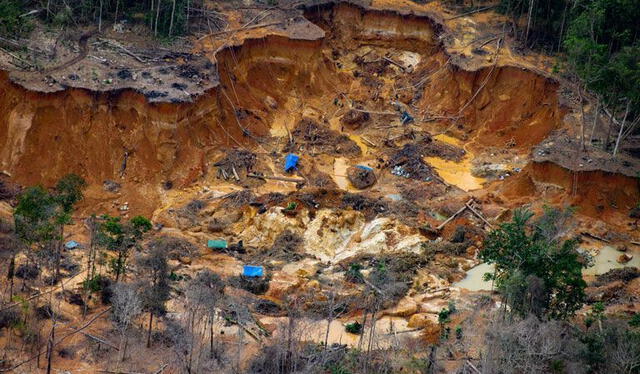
291, 162
252, 271
217, 244
72, 244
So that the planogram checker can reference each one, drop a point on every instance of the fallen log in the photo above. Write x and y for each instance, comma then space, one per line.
404, 331
366, 140
376, 112
273, 177
161, 369
592, 236
402, 67
100, 340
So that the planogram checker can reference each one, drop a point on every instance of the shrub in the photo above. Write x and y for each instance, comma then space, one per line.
354, 328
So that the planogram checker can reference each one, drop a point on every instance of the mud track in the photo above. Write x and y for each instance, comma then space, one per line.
82, 45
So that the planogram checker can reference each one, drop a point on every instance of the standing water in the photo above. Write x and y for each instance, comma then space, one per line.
474, 281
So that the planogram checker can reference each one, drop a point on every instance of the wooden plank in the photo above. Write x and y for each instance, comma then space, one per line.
466, 205
478, 215
235, 173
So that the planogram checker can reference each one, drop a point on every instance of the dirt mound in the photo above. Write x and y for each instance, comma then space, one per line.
310, 136
319, 179
354, 119
8, 190
625, 274
360, 177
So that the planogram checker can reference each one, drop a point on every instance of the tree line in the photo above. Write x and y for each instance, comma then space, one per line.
163, 17
600, 42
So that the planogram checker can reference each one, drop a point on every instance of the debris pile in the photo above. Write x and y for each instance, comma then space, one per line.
312, 137
408, 163
236, 164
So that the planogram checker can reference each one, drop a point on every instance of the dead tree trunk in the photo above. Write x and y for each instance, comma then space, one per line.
151, 18
155, 31
149, 331
526, 35
100, 18
606, 141
624, 120
582, 124
173, 12
595, 121
50, 346
10, 275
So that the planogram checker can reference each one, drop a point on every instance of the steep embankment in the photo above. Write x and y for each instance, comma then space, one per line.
112, 134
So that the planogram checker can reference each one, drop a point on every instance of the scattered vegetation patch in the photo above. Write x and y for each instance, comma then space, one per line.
27, 271
238, 199
174, 247
369, 206
353, 328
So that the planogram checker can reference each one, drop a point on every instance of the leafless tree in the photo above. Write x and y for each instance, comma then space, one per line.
155, 290
203, 294
127, 305
527, 346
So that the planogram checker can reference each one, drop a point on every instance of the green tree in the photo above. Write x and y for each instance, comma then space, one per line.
121, 238
10, 21
69, 191
156, 290
34, 216
536, 271
40, 216
602, 46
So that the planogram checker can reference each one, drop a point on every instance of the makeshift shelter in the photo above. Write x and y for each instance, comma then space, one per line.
252, 271
217, 244
406, 118
291, 162
71, 244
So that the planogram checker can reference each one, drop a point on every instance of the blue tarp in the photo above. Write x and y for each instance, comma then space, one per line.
252, 271
72, 244
291, 162
406, 118
364, 167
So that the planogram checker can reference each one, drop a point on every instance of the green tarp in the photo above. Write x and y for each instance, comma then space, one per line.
217, 244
